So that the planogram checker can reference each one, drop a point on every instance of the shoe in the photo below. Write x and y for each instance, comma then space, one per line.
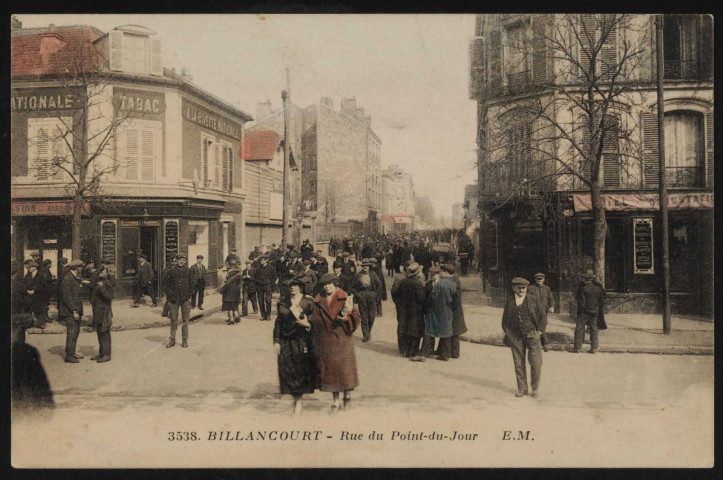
69, 359
78, 356
185, 344
229, 322
365, 339
418, 359
347, 404
200, 308
444, 359
575, 350
104, 358
544, 348
593, 350
237, 320
534, 394
96, 357
244, 314
519, 394
334, 409
135, 306
171, 343
155, 304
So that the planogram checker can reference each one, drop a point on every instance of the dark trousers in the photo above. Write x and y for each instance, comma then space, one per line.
454, 346
408, 344
245, 297
185, 315
583, 320
103, 341
264, 294
465, 266
526, 344
143, 290
200, 290
71, 335
367, 302
444, 348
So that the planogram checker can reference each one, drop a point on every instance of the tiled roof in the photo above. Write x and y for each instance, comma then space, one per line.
260, 145
42, 51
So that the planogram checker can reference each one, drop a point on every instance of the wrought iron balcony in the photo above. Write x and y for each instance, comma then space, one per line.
518, 81
678, 177
682, 69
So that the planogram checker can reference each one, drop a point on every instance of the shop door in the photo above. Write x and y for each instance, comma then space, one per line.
149, 246
685, 266
614, 256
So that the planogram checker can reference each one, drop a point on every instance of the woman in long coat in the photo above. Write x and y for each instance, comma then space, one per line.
100, 299
335, 319
231, 295
298, 372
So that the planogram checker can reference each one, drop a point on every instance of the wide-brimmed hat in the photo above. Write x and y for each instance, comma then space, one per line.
408, 263
297, 281
520, 282
413, 269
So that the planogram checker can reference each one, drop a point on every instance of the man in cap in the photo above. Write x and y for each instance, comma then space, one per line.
37, 291
248, 289
198, 280
71, 309
365, 288
309, 278
439, 295
144, 281
178, 290
408, 296
590, 297
164, 279
35, 256
232, 255
382, 292
521, 321
459, 326
101, 297
544, 295
256, 252
306, 250
265, 277
321, 266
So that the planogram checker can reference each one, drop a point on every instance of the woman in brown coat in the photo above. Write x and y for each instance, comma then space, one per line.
334, 320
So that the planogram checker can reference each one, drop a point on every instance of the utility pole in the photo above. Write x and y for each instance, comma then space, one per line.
662, 180
286, 214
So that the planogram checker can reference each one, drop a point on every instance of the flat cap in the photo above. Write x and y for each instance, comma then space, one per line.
29, 262
34, 253
75, 263
143, 255
306, 262
435, 269
182, 255
519, 281
328, 278
589, 275
346, 254
539, 275
448, 267
199, 256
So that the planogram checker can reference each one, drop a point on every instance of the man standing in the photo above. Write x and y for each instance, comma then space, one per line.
590, 297
232, 255
198, 280
458, 324
179, 289
256, 252
144, 285
439, 293
547, 302
71, 309
248, 290
409, 298
101, 297
265, 279
366, 287
36, 288
309, 278
521, 321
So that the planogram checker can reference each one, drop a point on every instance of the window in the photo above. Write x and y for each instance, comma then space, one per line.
684, 157
517, 58
518, 151
680, 46
227, 166
139, 145
216, 163
197, 239
135, 52
48, 151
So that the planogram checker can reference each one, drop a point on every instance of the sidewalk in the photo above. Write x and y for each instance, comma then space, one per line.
631, 333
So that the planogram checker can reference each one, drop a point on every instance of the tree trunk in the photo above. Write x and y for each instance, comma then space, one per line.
76, 233
600, 230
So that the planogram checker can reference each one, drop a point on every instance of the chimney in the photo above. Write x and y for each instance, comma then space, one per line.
327, 101
369, 121
348, 105
359, 114
263, 110
15, 23
186, 74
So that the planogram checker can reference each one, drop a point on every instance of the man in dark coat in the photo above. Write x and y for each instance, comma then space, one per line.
256, 252
198, 280
522, 322
382, 292
344, 281
71, 309
458, 324
408, 297
590, 297
144, 285
309, 278
178, 290
307, 249
248, 290
232, 255
544, 295
322, 266
365, 288
265, 278
37, 289
100, 299
439, 295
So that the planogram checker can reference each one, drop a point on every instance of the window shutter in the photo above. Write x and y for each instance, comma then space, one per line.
539, 60
495, 73
156, 57
213, 250
224, 161
205, 153
609, 49
611, 159
588, 36
217, 166
230, 169
706, 47
231, 235
477, 65
115, 41
650, 149
710, 141
132, 149
42, 153
148, 149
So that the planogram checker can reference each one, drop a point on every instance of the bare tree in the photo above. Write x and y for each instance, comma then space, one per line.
578, 130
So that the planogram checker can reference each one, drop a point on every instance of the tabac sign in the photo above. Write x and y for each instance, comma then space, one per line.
135, 102
208, 119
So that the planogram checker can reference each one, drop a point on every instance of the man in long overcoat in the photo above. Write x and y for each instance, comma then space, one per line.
144, 284
178, 293
71, 309
522, 322
366, 287
439, 293
100, 300
590, 298
459, 326
547, 302
409, 298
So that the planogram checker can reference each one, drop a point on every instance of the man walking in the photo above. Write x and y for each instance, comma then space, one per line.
409, 298
144, 285
365, 288
439, 295
547, 302
198, 280
521, 322
248, 290
178, 290
458, 324
71, 309
590, 297
265, 278
36, 288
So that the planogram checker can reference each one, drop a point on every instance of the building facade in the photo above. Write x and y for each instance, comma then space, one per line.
397, 200
162, 151
530, 226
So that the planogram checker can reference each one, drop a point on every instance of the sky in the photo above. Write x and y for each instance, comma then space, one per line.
409, 72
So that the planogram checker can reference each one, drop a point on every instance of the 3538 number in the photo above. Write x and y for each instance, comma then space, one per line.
182, 436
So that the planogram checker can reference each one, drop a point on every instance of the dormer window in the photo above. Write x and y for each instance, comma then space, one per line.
134, 50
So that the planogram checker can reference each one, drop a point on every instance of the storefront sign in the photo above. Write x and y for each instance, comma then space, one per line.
171, 240
644, 201
201, 116
108, 240
643, 245
46, 208
139, 102
42, 99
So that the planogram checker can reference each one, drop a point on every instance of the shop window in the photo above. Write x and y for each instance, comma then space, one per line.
684, 155
197, 239
48, 154
139, 143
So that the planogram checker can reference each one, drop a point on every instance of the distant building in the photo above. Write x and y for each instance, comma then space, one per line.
398, 204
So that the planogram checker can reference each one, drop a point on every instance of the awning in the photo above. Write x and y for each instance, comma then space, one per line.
401, 219
644, 201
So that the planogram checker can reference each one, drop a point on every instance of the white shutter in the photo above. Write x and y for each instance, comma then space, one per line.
131, 153
156, 57
115, 41
147, 157
217, 166
204, 161
41, 152
230, 169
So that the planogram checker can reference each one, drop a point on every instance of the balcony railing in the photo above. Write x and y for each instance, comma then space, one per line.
678, 177
518, 81
682, 69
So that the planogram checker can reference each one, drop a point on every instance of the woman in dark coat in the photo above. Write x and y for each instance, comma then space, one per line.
298, 372
100, 299
335, 319
231, 295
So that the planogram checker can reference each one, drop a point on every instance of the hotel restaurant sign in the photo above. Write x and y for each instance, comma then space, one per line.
644, 201
201, 116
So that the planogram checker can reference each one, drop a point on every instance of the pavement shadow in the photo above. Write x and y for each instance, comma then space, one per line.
156, 338
558, 337
236, 392
481, 382
385, 348
265, 391
57, 350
